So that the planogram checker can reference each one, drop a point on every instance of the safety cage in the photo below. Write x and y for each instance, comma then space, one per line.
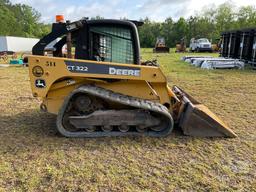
100, 40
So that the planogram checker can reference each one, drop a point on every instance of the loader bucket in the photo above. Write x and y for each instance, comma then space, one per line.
197, 120
161, 50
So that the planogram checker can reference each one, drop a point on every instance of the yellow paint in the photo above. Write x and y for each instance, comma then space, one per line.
60, 82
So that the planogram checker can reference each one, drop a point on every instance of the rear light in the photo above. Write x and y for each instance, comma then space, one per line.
60, 19
38, 71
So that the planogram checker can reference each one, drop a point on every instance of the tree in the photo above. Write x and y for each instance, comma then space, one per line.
246, 17
148, 33
20, 20
167, 31
225, 17
180, 30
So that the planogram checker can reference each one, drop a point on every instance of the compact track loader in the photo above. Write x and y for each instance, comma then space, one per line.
181, 46
160, 46
102, 88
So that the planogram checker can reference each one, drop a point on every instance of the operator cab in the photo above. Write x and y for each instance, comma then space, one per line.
98, 40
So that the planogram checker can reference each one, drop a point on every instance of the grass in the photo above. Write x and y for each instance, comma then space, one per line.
33, 157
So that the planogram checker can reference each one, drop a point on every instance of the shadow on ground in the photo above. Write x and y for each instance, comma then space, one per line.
31, 122
32, 128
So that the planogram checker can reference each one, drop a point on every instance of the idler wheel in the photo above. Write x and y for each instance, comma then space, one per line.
82, 103
107, 128
141, 129
123, 128
91, 129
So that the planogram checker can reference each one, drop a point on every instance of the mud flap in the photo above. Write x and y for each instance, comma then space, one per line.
197, 120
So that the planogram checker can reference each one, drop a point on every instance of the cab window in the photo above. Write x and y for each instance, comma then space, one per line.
111, 44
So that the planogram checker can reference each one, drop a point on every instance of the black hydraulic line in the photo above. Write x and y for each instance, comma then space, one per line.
58, 30
58, 47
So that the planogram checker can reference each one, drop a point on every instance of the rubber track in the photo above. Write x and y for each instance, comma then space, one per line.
121, 99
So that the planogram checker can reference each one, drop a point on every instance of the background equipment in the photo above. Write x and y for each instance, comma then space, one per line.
216, 47
181, 47
160, 46
200, 45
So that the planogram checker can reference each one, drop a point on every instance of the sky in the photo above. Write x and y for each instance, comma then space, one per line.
157, 10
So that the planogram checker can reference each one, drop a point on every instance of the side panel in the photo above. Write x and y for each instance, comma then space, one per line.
59, 68
140, 89
61, 76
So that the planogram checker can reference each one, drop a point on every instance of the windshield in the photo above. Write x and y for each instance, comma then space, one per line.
203, 41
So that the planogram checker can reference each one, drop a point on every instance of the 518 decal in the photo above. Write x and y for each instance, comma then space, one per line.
50, 64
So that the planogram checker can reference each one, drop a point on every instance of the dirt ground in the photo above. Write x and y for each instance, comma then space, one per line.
33, 157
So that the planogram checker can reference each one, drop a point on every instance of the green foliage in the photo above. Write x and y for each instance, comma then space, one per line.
20, 20
209, 23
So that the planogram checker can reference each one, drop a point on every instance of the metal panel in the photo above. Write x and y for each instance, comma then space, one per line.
240, 44
3, 44
225, 44
246, 43
20, 44
234, 44
253, 58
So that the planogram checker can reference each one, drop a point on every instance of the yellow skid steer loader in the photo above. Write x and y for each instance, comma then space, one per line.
102, 88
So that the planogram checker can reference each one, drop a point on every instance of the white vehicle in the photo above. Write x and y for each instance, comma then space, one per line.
200, 45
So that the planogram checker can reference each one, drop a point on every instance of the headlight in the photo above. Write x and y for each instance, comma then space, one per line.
38, 71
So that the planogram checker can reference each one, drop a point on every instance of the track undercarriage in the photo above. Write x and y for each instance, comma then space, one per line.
91, 111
